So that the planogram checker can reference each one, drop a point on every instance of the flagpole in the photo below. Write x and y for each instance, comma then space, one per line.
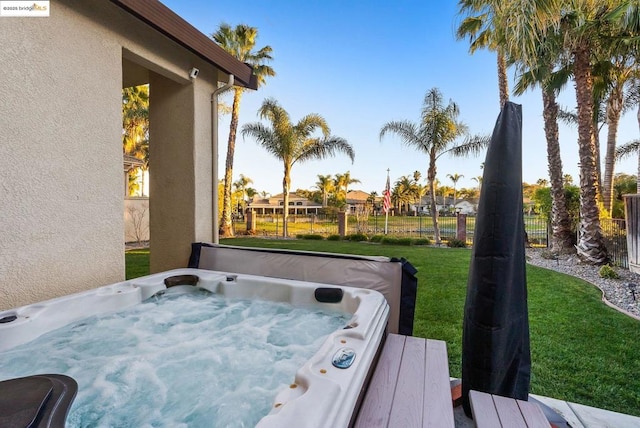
386, 215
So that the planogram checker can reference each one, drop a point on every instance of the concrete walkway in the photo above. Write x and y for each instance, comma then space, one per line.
577, 415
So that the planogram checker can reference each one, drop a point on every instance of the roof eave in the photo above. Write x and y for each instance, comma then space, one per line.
170, 24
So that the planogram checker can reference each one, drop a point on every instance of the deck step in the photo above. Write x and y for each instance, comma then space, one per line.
491, 411
410, 386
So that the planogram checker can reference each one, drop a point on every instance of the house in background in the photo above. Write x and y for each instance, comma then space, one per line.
424, 207
61, 128
274, 204
356, 201
468, 207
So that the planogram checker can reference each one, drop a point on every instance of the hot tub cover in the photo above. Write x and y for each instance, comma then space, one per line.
394, 278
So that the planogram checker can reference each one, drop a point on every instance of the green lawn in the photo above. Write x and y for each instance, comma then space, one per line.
582, 350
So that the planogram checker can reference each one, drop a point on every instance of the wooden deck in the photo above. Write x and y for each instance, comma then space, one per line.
410, 386
495, 411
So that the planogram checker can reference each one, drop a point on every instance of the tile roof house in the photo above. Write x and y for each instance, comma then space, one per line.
273, 205
61, 131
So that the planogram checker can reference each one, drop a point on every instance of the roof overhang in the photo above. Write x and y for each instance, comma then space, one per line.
167, 22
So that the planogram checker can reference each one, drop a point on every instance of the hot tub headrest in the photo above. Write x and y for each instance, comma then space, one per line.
172, 281
39, 401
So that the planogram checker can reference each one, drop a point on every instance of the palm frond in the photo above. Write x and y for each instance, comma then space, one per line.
627, 149
472, 146
309, 123
407, 131
321, 148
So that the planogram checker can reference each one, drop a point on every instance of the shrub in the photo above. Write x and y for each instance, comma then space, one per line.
334, 238
608, 272
357, 237
456, 243
549, 255
405, 241
422, 241
376, 238
396, 241
310, 237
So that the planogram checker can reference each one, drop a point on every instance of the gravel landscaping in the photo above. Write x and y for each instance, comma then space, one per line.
622, 293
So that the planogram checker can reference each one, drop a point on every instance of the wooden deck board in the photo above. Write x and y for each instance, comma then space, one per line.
493, 411
438, 408
483, 410
509, 412
410, 386
533, 414
376, 408
406, 410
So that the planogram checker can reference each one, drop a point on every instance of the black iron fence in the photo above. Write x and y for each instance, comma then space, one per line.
615, 238
537, 229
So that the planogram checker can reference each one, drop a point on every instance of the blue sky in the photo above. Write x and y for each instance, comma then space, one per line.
361, 64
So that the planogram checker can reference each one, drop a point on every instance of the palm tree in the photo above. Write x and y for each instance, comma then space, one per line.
325, 186
135, 125
482, 25
434, 135
455, 177
294, 143
551, 83
619, 71
343, 181
582, 28
240, 42
404, 189
478, 180
371, 199
241, 187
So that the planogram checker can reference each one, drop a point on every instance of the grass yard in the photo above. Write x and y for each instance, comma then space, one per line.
582, 350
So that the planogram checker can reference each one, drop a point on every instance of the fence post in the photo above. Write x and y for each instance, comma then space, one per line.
461, 227
251, 222
342, 223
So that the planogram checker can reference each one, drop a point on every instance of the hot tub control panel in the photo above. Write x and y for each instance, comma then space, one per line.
343, 358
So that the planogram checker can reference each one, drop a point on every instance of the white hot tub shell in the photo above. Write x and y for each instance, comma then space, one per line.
321, 394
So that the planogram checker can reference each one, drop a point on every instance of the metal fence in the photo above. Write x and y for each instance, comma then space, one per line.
614, 232
537, 228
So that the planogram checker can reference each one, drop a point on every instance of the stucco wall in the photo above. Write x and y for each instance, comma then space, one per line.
136, 219
61, 181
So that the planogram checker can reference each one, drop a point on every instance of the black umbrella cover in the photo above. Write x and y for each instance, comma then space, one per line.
495, 339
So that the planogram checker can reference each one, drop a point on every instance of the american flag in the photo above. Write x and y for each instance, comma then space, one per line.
386, 200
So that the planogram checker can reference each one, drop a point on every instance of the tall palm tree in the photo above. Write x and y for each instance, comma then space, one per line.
435, 135
325, 186
482, 25
618, 72
294, 143
455, 178
582, 28
240, 42
551, 81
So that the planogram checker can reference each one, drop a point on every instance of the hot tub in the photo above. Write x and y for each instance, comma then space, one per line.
323, 392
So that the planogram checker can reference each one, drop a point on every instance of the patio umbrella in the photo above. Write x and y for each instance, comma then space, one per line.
495, 342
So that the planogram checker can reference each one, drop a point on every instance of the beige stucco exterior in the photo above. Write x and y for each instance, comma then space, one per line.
61, 199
